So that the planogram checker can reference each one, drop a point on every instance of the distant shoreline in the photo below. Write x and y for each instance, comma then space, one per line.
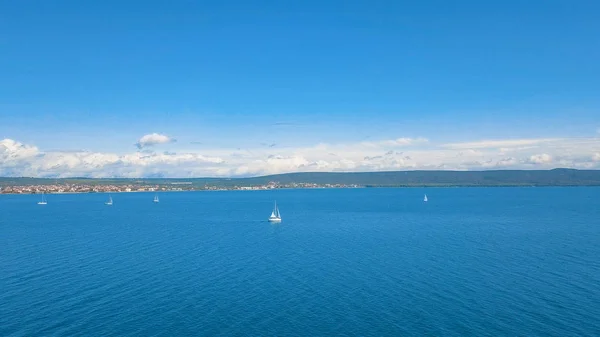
312, 188
389, 179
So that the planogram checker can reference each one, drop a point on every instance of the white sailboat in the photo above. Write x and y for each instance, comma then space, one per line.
109, 202
275, 215
425, 199
43, 201
155, 198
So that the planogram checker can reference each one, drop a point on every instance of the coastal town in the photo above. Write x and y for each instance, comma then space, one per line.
114, 188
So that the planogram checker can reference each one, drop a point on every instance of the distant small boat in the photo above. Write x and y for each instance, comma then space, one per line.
109, 202
156, 198
43, 202
425, 199
275, 215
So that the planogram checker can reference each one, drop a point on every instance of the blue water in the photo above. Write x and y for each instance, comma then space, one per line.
360, 262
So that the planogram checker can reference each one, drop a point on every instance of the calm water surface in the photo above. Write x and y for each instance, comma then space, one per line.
369, 262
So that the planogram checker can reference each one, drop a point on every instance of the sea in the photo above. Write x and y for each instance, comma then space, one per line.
343, 262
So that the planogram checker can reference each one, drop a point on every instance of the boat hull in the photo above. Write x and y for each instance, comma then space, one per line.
274, 219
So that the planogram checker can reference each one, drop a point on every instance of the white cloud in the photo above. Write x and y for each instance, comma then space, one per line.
15, 157
13, 150
18, 159
506, 162
153, 139
543, 158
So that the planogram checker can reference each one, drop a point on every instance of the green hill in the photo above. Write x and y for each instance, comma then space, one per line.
556, 177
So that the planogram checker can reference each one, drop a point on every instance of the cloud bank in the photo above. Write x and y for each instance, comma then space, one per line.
19, 159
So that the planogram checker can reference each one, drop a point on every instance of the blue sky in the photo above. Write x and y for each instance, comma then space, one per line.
97, 76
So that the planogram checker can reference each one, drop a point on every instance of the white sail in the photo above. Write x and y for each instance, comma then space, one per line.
275, 216
110, 201
425, 199
156, 198
43, 202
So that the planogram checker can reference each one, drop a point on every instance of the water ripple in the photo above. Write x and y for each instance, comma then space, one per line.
471, 262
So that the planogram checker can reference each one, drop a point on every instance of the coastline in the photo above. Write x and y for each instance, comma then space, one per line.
312, 188
308, 180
